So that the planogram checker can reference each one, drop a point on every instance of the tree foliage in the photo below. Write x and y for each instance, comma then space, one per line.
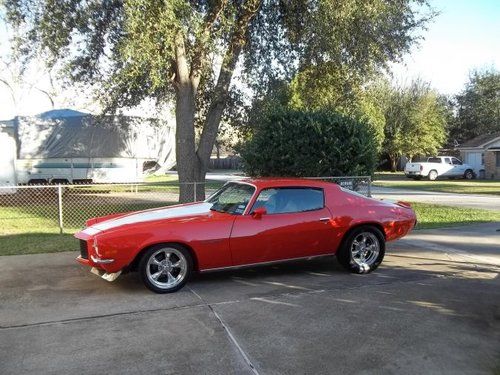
415, 121
477, 107
188, 51
361, 99
317, 143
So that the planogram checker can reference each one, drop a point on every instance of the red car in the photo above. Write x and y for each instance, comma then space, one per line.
245, 223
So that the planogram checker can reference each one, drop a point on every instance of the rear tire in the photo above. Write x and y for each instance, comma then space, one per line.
165, 268
433, 175
362, 250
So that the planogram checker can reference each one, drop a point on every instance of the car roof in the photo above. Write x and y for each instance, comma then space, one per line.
268, 182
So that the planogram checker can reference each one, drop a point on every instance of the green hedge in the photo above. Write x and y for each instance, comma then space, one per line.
297, 143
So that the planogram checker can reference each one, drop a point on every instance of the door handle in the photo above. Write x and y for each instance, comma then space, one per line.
325, 219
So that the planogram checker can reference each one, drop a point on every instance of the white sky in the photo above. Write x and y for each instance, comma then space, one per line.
465, 36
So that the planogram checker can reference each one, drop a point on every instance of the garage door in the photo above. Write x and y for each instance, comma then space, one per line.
474, 159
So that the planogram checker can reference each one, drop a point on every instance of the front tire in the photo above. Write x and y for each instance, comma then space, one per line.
165, 268
362, 250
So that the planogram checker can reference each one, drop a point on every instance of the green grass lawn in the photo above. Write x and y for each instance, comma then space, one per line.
32, 230
437, 216
398, 180
163, 183
36, 243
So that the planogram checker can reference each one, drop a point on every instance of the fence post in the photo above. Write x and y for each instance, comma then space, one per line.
369, 186
59, 206
194, 197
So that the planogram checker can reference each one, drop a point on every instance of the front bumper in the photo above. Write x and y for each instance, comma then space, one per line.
97, 268
98, 260
90, 257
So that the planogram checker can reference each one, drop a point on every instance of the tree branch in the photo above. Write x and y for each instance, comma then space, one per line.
221, 91
200, 49
11, 91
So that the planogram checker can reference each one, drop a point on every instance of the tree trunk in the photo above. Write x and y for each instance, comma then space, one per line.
393, 159
221, 90
185, 109
192, 162
187, 160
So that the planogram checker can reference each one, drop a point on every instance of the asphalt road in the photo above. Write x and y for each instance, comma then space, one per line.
482, 201
432, 307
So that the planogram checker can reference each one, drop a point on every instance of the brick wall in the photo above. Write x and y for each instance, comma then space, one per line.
491, 171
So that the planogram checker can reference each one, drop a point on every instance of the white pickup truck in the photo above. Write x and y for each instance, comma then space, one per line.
446, 166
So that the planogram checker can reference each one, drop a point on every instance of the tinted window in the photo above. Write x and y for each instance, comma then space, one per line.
286, 200
456, 161
434, 160
232, 198
447, 160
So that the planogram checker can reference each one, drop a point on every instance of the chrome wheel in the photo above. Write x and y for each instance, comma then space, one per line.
365, 249
433, 175
166, 268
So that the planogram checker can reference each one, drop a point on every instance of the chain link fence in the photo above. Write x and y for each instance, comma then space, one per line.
359, 184
65, 208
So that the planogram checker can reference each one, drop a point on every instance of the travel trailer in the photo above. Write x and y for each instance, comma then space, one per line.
66, 146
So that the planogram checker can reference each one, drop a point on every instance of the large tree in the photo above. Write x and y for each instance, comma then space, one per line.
415, 121
477, 107
188, 50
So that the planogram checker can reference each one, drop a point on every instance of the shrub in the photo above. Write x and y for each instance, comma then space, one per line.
296, 143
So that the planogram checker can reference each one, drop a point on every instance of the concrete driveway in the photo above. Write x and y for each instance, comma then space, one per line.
432, 307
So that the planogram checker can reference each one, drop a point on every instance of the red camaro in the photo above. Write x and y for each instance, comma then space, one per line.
245, 223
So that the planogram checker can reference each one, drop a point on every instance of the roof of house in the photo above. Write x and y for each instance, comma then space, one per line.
480, 140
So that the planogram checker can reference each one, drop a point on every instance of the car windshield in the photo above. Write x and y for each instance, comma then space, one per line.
232, 198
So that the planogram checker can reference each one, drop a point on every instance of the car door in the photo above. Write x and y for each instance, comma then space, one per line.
458, 167
296, 225
446, 167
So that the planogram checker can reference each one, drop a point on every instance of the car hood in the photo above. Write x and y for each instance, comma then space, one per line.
174, 212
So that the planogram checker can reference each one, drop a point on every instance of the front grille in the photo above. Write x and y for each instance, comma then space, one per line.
84, 252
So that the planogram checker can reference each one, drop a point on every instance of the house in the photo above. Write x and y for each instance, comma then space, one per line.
483, 153
62, 146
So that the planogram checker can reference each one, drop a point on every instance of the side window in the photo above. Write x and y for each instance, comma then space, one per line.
288, 200
447, 160
455, 161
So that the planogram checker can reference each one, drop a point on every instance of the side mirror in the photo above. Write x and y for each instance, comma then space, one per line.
258, 212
